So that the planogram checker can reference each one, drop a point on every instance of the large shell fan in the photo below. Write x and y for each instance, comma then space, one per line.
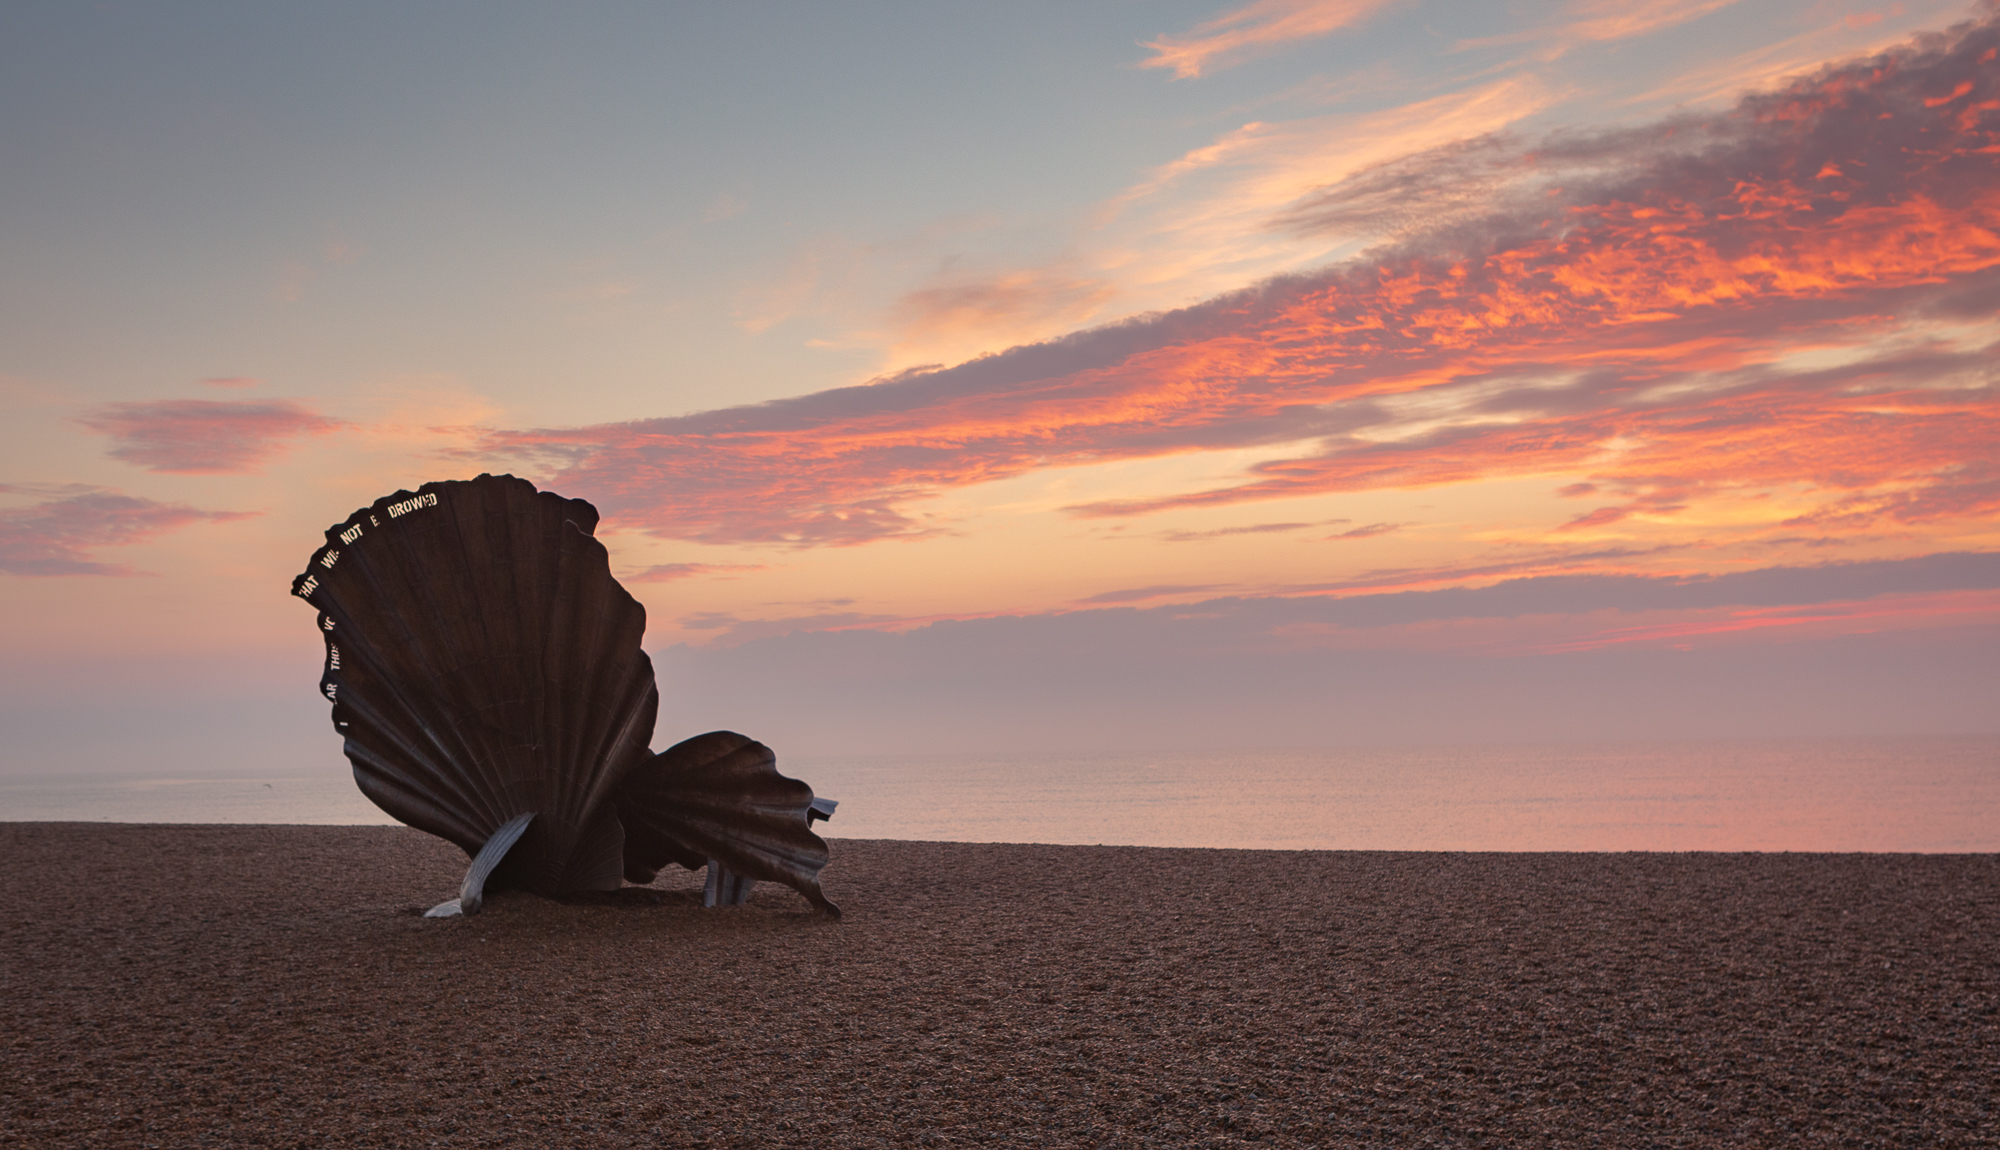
485, 669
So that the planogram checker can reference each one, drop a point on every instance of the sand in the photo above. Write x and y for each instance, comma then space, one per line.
275, 986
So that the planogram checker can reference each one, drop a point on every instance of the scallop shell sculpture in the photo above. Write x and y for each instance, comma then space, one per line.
485, 670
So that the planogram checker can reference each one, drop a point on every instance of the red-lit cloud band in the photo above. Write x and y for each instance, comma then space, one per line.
1789, 293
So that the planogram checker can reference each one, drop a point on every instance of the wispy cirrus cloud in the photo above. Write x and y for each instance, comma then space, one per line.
205, 436
1245, 529
1651, 310
1190, 228
951, 306
57, 536
1722, 78
1367, 531
1589, 21
1623, 19
1254, 30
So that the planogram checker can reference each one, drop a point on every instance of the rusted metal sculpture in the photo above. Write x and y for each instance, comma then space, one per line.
485, 670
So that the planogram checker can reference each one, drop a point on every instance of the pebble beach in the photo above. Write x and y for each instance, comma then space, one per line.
277, 986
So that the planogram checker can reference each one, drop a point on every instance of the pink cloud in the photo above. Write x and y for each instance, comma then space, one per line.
205, 436
1619, 304
1602, 517
732, 630
1367, 532
669, 572
57, 536
1973, 606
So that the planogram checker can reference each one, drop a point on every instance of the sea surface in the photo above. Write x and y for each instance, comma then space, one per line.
1930, 795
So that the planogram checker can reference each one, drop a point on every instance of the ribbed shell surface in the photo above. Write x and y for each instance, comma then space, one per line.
719, 796
483, 663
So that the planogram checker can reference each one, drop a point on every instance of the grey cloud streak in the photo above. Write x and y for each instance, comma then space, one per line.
1214, 675
1191, 627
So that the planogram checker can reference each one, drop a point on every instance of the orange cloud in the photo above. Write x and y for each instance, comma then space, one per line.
1006, 302
1254, 30
1601, 20
1906, 456
1625, 307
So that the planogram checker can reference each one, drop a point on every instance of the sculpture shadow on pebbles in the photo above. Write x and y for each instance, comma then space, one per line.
485, 670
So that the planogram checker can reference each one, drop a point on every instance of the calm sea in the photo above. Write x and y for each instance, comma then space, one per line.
1937, 794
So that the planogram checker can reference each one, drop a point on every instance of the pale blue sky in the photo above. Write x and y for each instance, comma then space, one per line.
521, 194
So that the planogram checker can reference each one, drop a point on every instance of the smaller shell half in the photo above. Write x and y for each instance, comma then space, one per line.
719, 796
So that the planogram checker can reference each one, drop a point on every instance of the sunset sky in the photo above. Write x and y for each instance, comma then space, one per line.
971, 377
